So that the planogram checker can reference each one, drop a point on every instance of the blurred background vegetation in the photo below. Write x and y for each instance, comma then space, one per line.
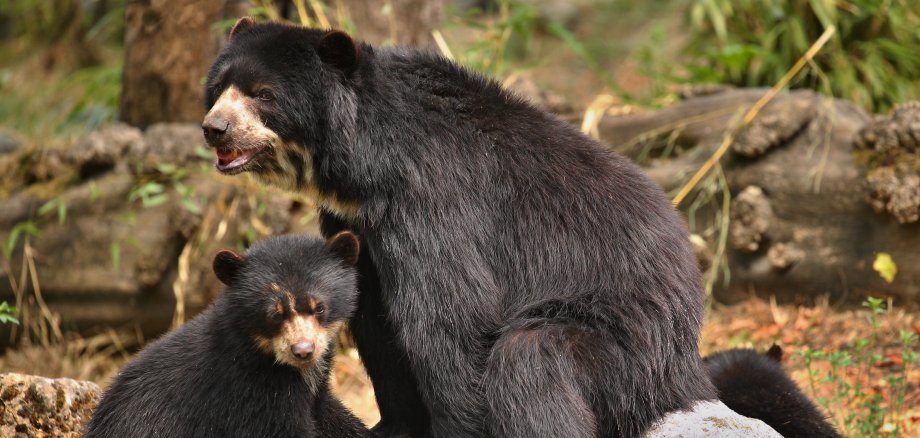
872, 61
61, 61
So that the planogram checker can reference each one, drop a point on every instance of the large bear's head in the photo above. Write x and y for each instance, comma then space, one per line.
276, 96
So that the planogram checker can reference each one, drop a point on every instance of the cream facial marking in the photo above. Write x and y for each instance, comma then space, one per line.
236, 132
246, 144
295, 332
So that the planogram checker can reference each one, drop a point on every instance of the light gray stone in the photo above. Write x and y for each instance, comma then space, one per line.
710, 419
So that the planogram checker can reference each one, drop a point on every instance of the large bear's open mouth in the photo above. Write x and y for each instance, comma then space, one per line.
234, 160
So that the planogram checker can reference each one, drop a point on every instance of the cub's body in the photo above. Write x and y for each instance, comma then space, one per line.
755, 385
220, 375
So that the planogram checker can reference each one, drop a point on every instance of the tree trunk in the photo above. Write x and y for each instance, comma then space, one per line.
397, 22
169, 45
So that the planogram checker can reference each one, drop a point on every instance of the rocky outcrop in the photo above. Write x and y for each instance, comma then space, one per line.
33, 406
800, 224
750, 219
890, 145
132, 218
778, 122
135, 220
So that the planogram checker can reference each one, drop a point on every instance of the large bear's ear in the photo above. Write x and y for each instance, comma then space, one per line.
226, 265
345, 245
337, 49
240, 25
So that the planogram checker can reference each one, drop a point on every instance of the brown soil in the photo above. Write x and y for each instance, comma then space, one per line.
758, 324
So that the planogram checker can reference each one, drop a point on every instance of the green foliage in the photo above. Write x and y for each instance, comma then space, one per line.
870, 410
580, 50
60, 72
52, 21
56, 204
876, 305
505, 36
7, 313
70, 104
115, 254
93, 191
873, 59
151, 194
20, 229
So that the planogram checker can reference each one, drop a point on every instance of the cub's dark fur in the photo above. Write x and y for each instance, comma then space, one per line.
519, 279
255, 363
755, 385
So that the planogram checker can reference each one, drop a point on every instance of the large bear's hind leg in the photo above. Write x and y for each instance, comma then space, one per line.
532, 386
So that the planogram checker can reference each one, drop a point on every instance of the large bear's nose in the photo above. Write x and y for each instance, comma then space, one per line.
302, 350
214, 128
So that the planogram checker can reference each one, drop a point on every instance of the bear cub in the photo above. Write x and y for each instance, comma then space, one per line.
256, 362
755, 385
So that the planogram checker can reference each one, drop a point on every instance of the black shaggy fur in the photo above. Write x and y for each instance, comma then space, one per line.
519, 280
209, 379
755, 385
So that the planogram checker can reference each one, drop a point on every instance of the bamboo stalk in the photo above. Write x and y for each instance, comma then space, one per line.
753, 112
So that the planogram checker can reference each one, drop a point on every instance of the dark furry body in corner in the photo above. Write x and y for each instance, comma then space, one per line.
755, 385
519, 279
209, 378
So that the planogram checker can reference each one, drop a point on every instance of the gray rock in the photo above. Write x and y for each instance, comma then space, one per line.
779, 121
784, 255
892, 143
704, 256
750, 219
33, 406
898, 130
9, 142
710, 419
167, 143
103, 148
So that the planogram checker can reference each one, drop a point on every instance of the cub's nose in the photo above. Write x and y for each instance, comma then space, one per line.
214, 128
302, 350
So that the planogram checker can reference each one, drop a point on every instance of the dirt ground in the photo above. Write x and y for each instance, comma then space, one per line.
753, 323
868, 354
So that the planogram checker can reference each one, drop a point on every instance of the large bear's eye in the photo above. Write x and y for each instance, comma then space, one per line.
265, 95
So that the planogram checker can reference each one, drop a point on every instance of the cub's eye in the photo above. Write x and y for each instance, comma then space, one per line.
264, 95
276, 312
320, 309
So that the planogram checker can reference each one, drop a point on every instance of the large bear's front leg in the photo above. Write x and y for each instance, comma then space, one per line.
402, 411
443, 309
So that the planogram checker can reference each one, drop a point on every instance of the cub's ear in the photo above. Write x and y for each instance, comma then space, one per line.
775, 352
226, 264
345, 245
241, 25
337, 49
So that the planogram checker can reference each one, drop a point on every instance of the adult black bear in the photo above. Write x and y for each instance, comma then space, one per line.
255, 363
755, 385
518, 280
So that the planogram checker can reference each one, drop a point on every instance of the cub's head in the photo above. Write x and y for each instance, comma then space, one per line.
291, 294
276, 96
